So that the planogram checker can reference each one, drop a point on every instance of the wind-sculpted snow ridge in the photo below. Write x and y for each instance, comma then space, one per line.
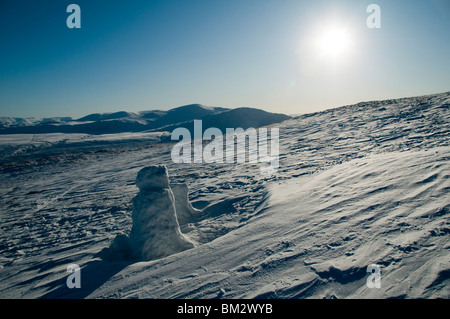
358, 185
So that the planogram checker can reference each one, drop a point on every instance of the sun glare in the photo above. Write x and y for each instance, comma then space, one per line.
334, 42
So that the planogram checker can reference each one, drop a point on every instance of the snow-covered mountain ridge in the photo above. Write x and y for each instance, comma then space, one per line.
150, 121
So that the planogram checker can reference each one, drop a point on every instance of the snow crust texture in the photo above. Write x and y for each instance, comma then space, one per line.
358, 185
155, 232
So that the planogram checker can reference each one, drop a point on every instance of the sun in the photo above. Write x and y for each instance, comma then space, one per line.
334, 42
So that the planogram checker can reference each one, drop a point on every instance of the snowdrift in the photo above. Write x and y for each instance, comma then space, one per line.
318, 235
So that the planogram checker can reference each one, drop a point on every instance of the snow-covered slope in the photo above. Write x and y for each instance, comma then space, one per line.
358, 185
317, 235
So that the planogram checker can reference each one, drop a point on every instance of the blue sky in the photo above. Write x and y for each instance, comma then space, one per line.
141, 55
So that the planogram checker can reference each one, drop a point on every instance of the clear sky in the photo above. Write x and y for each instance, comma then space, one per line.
270, 54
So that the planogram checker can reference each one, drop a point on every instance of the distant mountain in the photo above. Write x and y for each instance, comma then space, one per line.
118, 122
236, 118
6, 122
186, 113
107, 116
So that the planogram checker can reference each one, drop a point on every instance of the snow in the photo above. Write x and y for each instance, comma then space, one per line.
41, 145
156, 232
312, 240
186, 213
152, 178
357, 185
